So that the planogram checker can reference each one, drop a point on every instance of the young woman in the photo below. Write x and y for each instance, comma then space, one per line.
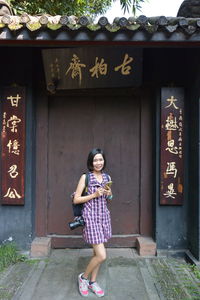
97, 229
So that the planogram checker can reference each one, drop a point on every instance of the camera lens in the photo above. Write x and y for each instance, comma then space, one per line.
73, 225
76, 223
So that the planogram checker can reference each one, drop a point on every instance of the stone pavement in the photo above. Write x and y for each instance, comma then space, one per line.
124, 275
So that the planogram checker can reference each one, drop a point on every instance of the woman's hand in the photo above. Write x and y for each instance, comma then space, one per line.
102, 191
99, 192
107, 191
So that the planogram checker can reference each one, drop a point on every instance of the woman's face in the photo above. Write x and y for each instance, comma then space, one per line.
98, 162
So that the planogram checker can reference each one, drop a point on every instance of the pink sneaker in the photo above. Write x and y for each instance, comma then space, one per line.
83, 286
95, 288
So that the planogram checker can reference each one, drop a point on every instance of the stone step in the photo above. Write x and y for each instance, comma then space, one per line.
59, 278
29, 285
149, 280
155, 278
146, 246
125, 279
124, 275
121, 276
12, 280
40, 247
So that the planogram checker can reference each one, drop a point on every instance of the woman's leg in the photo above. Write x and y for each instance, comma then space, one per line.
95, 271
94, 264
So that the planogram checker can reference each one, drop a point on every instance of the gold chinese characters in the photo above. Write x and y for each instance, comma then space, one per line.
99, 68
171, 150
11, 132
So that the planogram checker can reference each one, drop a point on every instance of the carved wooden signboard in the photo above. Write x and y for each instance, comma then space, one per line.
12, 145
92, 67
172, 147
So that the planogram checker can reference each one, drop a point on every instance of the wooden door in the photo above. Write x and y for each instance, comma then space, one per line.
76, 125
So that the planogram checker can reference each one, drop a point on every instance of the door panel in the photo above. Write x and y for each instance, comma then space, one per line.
78, 124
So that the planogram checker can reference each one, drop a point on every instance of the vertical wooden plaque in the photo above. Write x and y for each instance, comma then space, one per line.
13, 146
171, 148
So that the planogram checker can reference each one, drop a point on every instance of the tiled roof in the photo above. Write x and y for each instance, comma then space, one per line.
11, 26
152, 24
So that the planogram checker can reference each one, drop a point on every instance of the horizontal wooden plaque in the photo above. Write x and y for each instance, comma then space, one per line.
92, 67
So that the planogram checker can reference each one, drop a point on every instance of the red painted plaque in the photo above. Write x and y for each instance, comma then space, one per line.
12, 146
172, 146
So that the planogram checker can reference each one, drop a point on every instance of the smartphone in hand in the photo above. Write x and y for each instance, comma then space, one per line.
107, 185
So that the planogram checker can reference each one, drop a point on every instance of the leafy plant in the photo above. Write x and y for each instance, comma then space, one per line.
9, 255
71, 7
196, 271
135, 4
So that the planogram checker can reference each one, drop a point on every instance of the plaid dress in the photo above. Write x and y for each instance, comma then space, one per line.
96, 215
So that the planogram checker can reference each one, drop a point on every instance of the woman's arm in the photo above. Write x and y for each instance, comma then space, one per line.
78, 198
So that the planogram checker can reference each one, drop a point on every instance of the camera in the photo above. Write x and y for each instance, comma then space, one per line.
78, 221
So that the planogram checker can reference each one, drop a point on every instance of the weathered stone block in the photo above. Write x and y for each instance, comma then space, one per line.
146, 246
41, 247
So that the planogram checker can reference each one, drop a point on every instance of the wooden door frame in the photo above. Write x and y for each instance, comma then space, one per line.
146, 165
146, 181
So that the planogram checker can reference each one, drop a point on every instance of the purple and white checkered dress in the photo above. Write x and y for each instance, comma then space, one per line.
96, 215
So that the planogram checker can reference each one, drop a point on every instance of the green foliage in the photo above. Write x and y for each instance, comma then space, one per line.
71, 7
134, 4
196, 271
177, 280
9, 255
61, 7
